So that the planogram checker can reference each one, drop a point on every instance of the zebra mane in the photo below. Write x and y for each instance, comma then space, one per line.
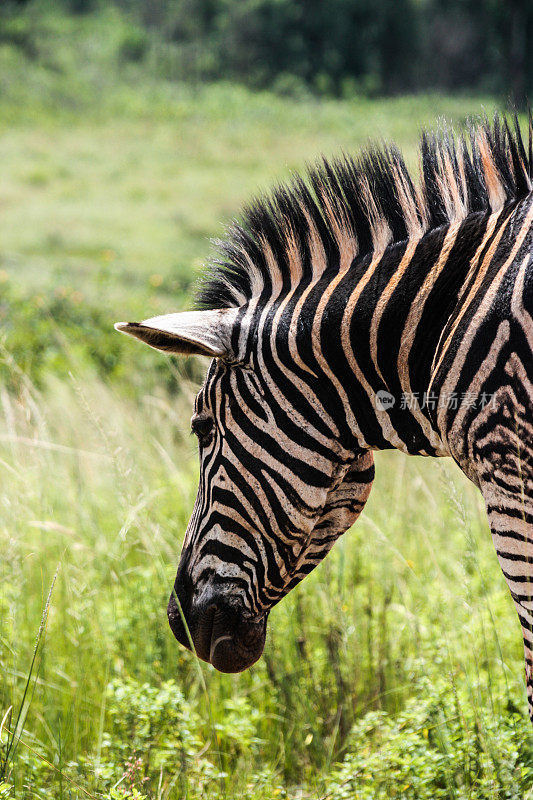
354, 207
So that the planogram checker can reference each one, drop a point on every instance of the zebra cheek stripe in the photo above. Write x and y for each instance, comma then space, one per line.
356, 309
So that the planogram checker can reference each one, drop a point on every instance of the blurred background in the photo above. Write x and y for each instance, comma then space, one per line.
335, 48
131, 133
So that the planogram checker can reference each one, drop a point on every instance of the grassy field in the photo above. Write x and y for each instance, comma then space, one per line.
395, 670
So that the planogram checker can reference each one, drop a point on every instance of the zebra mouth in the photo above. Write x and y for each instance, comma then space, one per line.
220, 634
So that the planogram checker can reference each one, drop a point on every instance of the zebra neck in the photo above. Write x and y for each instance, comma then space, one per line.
378, 326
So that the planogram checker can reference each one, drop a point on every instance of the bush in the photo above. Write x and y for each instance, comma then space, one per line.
437, 747
152, 730
134, 45
19, 32
52, 333
59, 333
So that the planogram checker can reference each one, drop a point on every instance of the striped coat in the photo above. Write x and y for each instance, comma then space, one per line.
351, 311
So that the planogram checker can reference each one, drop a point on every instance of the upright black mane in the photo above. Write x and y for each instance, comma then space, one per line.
351, 207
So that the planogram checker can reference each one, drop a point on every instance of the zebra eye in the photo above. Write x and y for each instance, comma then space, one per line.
202, 427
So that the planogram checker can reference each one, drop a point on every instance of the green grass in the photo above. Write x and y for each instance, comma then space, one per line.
395, 670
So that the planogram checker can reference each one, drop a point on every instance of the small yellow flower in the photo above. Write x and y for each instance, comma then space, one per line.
156, 280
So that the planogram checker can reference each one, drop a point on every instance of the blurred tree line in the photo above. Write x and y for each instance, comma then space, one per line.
337, 46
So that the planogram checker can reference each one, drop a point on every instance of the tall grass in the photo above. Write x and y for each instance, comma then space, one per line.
12, 724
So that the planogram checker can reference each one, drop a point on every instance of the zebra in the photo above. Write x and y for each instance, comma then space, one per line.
355, 309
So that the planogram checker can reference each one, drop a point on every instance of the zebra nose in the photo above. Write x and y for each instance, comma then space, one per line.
220, 634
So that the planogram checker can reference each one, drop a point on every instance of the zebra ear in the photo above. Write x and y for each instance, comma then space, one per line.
206, 333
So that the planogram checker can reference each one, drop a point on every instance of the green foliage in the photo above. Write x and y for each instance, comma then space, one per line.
156, 722
57, 333
437, 747
150, 731
134, 45
386, 47
18, 32
50, 334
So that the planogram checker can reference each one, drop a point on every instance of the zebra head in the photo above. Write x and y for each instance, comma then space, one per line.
279, 482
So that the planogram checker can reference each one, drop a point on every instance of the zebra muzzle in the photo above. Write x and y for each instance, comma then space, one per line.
219, 634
